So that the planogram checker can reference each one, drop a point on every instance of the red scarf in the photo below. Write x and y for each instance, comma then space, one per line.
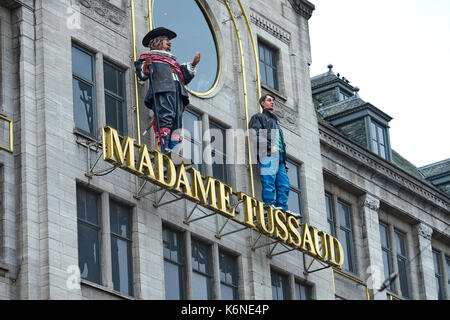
158, 58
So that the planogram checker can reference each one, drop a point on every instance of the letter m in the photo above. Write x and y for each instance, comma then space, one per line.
114, 152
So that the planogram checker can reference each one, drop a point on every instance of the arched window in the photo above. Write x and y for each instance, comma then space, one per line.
195, 33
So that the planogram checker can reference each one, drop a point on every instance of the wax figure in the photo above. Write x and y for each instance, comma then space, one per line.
167, 95
271, 155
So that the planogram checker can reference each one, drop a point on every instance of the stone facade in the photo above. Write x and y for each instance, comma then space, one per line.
51, 159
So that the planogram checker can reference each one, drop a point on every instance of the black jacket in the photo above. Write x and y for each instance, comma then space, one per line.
266, 120
163, 80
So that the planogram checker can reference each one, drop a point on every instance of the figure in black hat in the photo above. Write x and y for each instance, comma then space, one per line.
167, 95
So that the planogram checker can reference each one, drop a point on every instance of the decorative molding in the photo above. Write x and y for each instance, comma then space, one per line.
395, 175
425, 231
286, 115
105, 13
303, 8
269, 26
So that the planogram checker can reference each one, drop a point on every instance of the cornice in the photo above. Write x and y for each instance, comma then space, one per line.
303, 8
105, 13
269, 26
394, 174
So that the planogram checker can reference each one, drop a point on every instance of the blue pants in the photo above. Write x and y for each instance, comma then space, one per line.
274, 181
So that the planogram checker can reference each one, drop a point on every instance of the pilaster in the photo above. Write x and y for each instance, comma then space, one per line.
425, 264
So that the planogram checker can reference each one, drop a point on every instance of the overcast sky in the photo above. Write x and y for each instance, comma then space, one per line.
398, 53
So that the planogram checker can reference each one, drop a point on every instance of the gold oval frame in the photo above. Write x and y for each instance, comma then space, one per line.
216, 42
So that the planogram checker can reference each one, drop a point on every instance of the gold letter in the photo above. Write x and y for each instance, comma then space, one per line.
262, 218
205, 194
223, 198
114, 147
249, 204
144, 161
320, 253
183, 179
307, 240
159, 166
280, 223
293, 224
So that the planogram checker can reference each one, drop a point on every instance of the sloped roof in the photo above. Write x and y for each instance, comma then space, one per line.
435, 169
341, 106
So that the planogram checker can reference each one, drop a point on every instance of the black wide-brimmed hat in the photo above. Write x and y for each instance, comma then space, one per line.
160, 31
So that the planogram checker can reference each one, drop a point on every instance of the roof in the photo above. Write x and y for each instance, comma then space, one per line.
436, 169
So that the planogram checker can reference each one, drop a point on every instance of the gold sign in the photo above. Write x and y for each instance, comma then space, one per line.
215, 195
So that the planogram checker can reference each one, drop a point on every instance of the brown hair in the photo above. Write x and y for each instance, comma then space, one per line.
156, 43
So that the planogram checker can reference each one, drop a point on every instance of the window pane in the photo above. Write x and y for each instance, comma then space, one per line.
200, 257
448, 273
228, 293
172, 245
387, 266
122, 270
404, 277
227, 268
279, 286
294, 202
346, 241
202, 286
115, 114
380, 135
302, 292
384, 237
293, 174
87, 206
82, 64
344, 215
83, 107
120, 219
191, 37
113, 79
400, 243
330, 217
89, 253
173, 279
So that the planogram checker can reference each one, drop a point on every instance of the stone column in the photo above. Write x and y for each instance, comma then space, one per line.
425, 264
372, 270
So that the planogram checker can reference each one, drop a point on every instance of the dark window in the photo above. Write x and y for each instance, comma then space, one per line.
268, 66
447, 259
402, 261
88, 208
228, 277
83, 82
279, 286
302, 291
191, 37
438, 274
295, 194
173, 264
219, 152
192, 140
115, 106
387, 254
378, 138
346, 236
201, 266
121, 255
330, 215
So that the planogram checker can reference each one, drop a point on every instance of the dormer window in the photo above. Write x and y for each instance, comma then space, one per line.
378, 138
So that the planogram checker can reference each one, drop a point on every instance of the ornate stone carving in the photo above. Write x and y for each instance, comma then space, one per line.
270, 27
371, 203
286, 115
425, 231
303, 7
105, 13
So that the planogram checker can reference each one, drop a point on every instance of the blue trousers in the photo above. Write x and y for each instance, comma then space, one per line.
274, 181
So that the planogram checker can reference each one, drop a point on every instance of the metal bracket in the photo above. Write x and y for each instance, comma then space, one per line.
306, 269
94, 146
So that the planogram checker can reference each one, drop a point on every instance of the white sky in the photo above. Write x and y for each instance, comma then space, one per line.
398, 53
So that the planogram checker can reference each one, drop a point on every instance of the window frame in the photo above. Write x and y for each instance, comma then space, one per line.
284, 281
192, 140
390, 255
274, 65
92, 84
123, 99
401, 257
213, 125
297, 190
233, 286
208, 276
308, 290
385, 145
438, 274
181, 264
349, 231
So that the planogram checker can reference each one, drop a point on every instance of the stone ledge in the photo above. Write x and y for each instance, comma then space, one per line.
104, 290
303, 8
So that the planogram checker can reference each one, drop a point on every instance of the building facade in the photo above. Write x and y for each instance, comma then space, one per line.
72, 226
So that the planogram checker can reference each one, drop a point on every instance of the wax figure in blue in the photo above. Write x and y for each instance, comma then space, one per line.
168, 85
271, 155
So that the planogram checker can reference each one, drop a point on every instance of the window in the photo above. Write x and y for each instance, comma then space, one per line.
378, 138
192, 140
330, 215
268, 66
199, 36
447, 259
228, 277
295, 194
219, 152
438, 274
121, 255
387, 254
115, 106
88, 206
201, 267
402, 261
83, 82
173, 264
346, 236
279, 286
302, 291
